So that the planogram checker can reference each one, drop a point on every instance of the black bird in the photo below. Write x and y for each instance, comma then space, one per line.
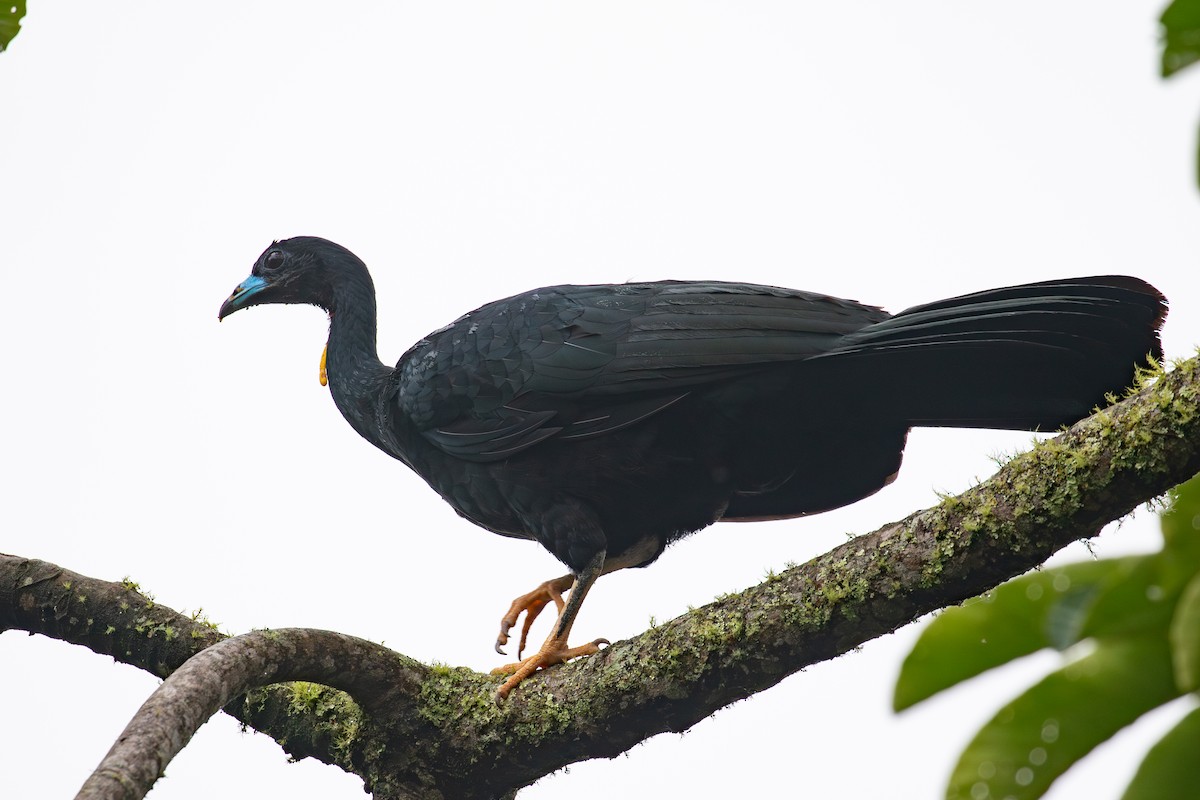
606, 422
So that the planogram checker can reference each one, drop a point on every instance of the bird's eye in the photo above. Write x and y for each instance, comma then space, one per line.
274, 260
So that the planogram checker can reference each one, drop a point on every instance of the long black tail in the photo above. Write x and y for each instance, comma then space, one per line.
1024, 357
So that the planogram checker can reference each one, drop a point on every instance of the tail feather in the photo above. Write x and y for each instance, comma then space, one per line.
1023, 357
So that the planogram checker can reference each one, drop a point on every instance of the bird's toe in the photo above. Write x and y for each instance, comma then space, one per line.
554, 651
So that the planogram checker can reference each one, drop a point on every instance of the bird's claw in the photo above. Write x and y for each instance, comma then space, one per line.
531, 613
531, 605
502, 639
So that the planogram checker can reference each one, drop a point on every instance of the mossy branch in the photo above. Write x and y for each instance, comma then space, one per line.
208, 680
438, 733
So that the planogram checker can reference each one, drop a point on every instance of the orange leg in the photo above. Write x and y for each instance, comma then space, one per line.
555, 649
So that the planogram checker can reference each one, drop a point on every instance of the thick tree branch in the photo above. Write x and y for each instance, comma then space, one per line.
441, 734
206, 682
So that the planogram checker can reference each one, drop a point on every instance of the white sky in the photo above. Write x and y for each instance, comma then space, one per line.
893, 153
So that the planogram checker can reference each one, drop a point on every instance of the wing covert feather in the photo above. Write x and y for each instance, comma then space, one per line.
582, 361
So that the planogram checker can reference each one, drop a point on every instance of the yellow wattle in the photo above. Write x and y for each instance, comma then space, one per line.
324, 378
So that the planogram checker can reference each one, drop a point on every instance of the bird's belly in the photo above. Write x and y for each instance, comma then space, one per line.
626, 492
641, 554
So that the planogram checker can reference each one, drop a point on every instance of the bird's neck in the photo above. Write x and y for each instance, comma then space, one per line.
357, 378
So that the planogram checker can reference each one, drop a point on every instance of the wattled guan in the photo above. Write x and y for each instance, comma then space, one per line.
607, 421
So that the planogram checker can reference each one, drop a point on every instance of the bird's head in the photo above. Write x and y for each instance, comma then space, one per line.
300, 270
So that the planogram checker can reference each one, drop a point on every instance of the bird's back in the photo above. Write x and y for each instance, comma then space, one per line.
606, 350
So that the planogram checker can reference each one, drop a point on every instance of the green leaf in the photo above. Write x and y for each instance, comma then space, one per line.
1036, 737
1185, 638
1144, 596
1181, 36
1170, 771
1136, 598
1181, 520
1041, 609
11, 13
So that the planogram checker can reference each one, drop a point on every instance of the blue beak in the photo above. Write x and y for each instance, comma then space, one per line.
241, 296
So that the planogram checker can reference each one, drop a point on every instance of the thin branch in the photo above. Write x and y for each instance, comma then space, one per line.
113, 619
441, 734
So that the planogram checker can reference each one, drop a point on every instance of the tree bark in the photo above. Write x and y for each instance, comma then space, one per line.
418, 731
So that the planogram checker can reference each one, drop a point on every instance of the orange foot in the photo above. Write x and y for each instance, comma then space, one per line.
532, 604
554, 651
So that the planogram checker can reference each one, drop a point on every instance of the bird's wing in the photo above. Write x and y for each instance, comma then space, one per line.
579, 361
